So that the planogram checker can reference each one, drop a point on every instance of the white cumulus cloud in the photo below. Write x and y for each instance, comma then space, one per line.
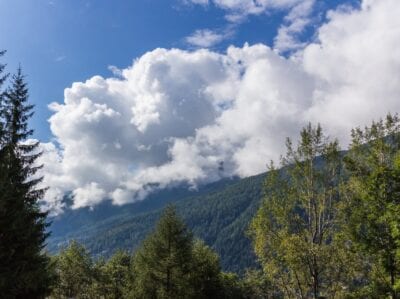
195, 116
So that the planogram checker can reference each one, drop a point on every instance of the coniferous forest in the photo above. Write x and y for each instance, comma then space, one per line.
327, 225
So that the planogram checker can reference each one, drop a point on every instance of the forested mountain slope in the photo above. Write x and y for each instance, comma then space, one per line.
218, 213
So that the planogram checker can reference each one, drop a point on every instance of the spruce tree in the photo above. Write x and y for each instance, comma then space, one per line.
162, 266
171, 264
3, 78
3, 172
23, 264
206, 272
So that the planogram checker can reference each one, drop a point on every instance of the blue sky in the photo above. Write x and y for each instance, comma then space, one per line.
197, 84
59, 42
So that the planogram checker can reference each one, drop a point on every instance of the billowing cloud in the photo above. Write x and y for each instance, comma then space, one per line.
355, 66
196, 116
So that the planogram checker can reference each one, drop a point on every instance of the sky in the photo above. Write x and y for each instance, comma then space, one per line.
132, 96
58, 42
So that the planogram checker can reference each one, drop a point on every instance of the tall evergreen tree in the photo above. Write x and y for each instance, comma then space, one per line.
162, 266
74, 268
116, 273
206, 272
170, 264
3, 78
23, 264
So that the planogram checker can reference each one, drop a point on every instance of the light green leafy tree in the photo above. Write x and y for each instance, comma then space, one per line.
371, 210
294, 230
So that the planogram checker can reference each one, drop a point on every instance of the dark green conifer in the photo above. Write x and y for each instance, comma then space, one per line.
3, 78
23, 264
206, 272
116, 273
162, 266
74, 273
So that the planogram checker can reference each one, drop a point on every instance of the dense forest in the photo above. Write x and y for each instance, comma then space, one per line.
217, 213
326, 225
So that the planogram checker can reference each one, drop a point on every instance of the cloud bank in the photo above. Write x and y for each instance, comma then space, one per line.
179, 116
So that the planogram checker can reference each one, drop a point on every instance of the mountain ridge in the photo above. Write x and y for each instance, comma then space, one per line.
218, 213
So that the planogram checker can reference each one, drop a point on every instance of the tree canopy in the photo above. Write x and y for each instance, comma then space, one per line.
23, 263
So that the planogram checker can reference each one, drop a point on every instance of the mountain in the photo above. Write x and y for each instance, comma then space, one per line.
218, 213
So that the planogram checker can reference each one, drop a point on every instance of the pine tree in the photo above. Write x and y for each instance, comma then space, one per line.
23, 264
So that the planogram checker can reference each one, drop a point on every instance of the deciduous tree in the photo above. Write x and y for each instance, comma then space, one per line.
372, 210
294, 229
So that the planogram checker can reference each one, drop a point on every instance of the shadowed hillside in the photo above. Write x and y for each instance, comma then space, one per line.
218, 213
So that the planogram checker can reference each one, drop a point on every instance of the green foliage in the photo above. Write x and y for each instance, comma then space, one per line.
78, 276
231, 286
117, 273
162, 266
255, 285
295, 227
24, 267
75, 272
219, 214
169, 264
205, 271
371, 210
319, 232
